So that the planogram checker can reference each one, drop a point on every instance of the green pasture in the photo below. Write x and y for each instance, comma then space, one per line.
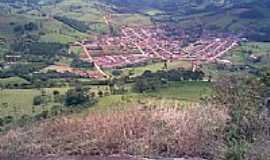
190, 91
13, 81
154, 67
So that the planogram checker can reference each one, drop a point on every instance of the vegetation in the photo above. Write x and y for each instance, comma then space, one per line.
156, 109
13, 81
80, 26
40, 48
244, 99
77, 96
189, 91
128, 131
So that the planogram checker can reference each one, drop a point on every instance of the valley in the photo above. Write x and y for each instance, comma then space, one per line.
134, 79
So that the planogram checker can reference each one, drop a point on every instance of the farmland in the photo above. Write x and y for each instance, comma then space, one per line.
22, 99
136, 78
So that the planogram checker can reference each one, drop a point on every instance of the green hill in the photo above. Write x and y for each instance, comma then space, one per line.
249, 17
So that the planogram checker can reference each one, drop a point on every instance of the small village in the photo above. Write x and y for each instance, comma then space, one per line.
135, 46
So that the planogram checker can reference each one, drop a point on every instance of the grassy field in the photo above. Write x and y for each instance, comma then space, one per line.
190, 91
156, 67
20, 101
121, 102
13, 80
240, 54
177, 92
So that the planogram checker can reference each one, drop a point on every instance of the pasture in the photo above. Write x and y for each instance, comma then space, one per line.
13, 81
154, 67
190, 91
20, 101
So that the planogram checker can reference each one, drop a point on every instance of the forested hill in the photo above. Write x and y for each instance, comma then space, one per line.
248, 17
176, 4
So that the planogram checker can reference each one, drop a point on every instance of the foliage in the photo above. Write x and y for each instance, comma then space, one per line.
244, 100
39, 100
77, 97
174, 75
78, 63
150, 84
139, 131
29, 27
39, 48
149, 81
19, 70
76, 24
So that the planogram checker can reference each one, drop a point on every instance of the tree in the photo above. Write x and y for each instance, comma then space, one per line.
39, 100
56, 93
1, 122
100, 93
147, 84
30, 26
76, 97
117, 72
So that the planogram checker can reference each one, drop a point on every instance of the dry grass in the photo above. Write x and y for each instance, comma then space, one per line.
192, 131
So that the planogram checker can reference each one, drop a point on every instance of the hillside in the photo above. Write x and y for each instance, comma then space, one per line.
134, 79
246, 16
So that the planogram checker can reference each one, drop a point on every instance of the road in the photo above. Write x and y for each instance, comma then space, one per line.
91, 60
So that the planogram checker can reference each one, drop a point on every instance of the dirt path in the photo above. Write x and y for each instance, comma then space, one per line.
92, 61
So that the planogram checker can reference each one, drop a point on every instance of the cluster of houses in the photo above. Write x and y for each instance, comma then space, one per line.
132, 46
136, 45
210, 49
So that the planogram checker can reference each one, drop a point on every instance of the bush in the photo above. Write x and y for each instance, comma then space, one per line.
244, 99
56, 109
8, 119
24, 119
1, 122
150, 84
43, 115
77, 97
193, 131
39, 100
56, 92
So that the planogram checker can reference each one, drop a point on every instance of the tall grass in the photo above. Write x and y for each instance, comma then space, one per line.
194, 131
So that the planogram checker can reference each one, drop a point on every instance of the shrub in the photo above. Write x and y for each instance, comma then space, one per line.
77, 97
56, 92
244, 99
43, 115
39, 100
24, 119
150, 84
55, 110
1, 122
8, 119
192, 131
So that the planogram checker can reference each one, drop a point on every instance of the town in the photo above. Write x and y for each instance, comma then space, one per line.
136, 45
